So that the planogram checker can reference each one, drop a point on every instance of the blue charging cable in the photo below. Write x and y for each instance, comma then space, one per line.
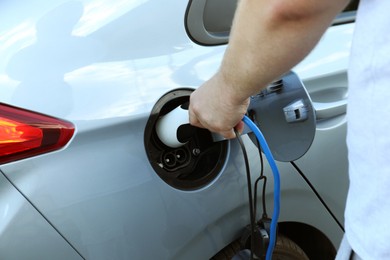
275, 171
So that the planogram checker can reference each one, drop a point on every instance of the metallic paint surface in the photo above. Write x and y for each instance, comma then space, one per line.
102, 64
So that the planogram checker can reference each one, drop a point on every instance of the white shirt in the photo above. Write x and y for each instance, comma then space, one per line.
367, 216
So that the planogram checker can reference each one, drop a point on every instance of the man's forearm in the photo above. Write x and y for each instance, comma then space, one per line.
269, 37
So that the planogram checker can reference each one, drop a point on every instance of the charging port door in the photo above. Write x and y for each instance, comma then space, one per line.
285, 114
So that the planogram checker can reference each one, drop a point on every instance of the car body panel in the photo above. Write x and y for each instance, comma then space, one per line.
103, 66
24, 233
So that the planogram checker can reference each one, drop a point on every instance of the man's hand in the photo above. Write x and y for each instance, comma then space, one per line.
214, 106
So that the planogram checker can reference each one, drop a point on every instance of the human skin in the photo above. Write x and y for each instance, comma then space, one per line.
268, 38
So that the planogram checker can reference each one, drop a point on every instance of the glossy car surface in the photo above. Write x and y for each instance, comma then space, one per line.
102, 65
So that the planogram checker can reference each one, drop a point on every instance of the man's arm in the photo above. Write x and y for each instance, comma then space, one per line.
267, 39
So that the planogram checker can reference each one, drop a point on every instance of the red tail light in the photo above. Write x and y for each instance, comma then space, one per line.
25, 133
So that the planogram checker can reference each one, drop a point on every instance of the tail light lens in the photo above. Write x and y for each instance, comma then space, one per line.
24, 133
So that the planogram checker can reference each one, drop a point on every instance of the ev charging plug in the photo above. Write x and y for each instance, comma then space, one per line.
167, 126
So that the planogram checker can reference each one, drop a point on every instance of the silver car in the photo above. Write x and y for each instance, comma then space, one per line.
83, 175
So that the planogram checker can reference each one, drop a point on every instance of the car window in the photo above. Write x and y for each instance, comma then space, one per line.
352, 6
208, 21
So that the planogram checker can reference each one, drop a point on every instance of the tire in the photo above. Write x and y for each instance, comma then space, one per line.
285, 249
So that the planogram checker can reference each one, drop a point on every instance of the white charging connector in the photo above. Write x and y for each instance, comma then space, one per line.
167, 125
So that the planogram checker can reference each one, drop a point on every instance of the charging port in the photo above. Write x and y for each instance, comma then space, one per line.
191, 166
173, 160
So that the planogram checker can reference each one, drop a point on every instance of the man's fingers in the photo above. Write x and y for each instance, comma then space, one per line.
228, 134
240, 127
194, 120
